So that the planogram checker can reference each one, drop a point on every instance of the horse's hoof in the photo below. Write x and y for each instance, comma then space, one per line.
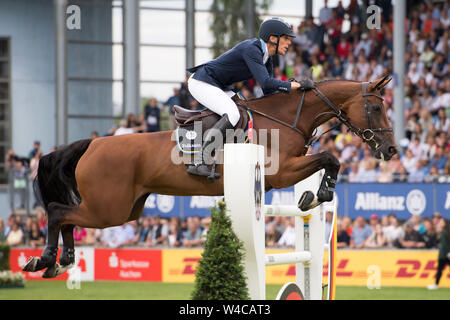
325, 196
61, 269
51, 272
307, 201
31, 265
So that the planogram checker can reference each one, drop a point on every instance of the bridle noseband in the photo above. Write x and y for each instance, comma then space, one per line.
367, 135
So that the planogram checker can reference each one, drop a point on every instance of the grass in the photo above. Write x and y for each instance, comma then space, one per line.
104, 290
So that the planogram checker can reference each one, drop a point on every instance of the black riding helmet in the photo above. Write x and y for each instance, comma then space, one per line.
275, 27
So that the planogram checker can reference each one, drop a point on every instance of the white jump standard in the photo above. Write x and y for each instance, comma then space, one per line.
244, 197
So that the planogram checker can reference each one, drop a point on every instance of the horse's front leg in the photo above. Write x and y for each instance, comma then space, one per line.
300, 168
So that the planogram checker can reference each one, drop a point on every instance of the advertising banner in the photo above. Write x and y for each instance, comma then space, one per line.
179, 265
169, 206
405, 268
404, 200
371, 268
443, 199
84, 263
354, 199
128, 264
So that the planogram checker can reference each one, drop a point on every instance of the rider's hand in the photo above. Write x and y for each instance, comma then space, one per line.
295, 85
307, 84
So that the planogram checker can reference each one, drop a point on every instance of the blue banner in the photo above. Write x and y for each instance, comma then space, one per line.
443, 199
354, 199
404, 200
170, 206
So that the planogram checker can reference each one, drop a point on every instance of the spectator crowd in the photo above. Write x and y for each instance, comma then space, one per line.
324, 48
378, 232
148, 231
153, 231
366, 54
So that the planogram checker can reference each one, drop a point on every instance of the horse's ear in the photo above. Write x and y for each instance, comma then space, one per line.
379, 84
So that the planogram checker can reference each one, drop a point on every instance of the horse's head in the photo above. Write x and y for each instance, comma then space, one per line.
370, 121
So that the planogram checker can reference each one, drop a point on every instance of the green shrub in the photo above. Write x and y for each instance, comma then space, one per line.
220, 274
4, 256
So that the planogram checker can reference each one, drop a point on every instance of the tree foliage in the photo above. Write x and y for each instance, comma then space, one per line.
229, 22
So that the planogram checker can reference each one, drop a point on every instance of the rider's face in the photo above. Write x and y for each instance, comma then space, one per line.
283, 45
285, 42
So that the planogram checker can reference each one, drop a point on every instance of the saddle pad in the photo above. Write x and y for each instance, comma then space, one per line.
189, 138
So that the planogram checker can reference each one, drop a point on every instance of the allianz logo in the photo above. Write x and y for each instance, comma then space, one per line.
204, 202
415, 202
161, 202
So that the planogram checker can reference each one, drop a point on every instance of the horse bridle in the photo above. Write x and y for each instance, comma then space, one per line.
367, 135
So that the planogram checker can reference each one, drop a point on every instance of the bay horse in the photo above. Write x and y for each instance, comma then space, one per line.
104, 182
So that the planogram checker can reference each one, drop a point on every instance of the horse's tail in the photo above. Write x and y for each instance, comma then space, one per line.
55, 180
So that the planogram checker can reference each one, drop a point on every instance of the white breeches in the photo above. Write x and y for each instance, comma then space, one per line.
214, 99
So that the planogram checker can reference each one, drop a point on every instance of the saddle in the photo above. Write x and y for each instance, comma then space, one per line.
190, 138
185, 117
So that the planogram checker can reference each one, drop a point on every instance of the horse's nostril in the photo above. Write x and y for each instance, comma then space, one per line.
392, 150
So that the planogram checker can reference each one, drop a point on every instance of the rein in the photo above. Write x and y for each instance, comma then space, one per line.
293, 126
366, 135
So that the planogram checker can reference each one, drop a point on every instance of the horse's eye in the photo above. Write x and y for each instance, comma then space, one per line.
377, 108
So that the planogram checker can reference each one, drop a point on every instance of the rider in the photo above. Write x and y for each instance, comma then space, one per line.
250, 58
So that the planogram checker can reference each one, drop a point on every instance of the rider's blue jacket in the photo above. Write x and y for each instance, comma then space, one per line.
246, 60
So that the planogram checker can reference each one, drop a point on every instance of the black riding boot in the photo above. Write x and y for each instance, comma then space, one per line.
203, 169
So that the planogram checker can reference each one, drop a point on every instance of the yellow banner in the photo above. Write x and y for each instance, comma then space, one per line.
179, 265
404, 268
371, 268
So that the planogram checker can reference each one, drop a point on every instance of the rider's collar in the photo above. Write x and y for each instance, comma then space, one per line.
265, 51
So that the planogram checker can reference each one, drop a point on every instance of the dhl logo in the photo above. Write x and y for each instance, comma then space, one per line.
341, 270
190, 265
404, 268
413, 268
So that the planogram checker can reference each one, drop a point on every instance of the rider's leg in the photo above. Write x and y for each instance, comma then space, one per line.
214, 99
220, 102
213, 140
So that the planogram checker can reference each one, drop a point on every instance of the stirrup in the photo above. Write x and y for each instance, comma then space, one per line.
203, 171
213, 175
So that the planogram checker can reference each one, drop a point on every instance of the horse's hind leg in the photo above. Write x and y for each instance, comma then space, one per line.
67, 258
47, 260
